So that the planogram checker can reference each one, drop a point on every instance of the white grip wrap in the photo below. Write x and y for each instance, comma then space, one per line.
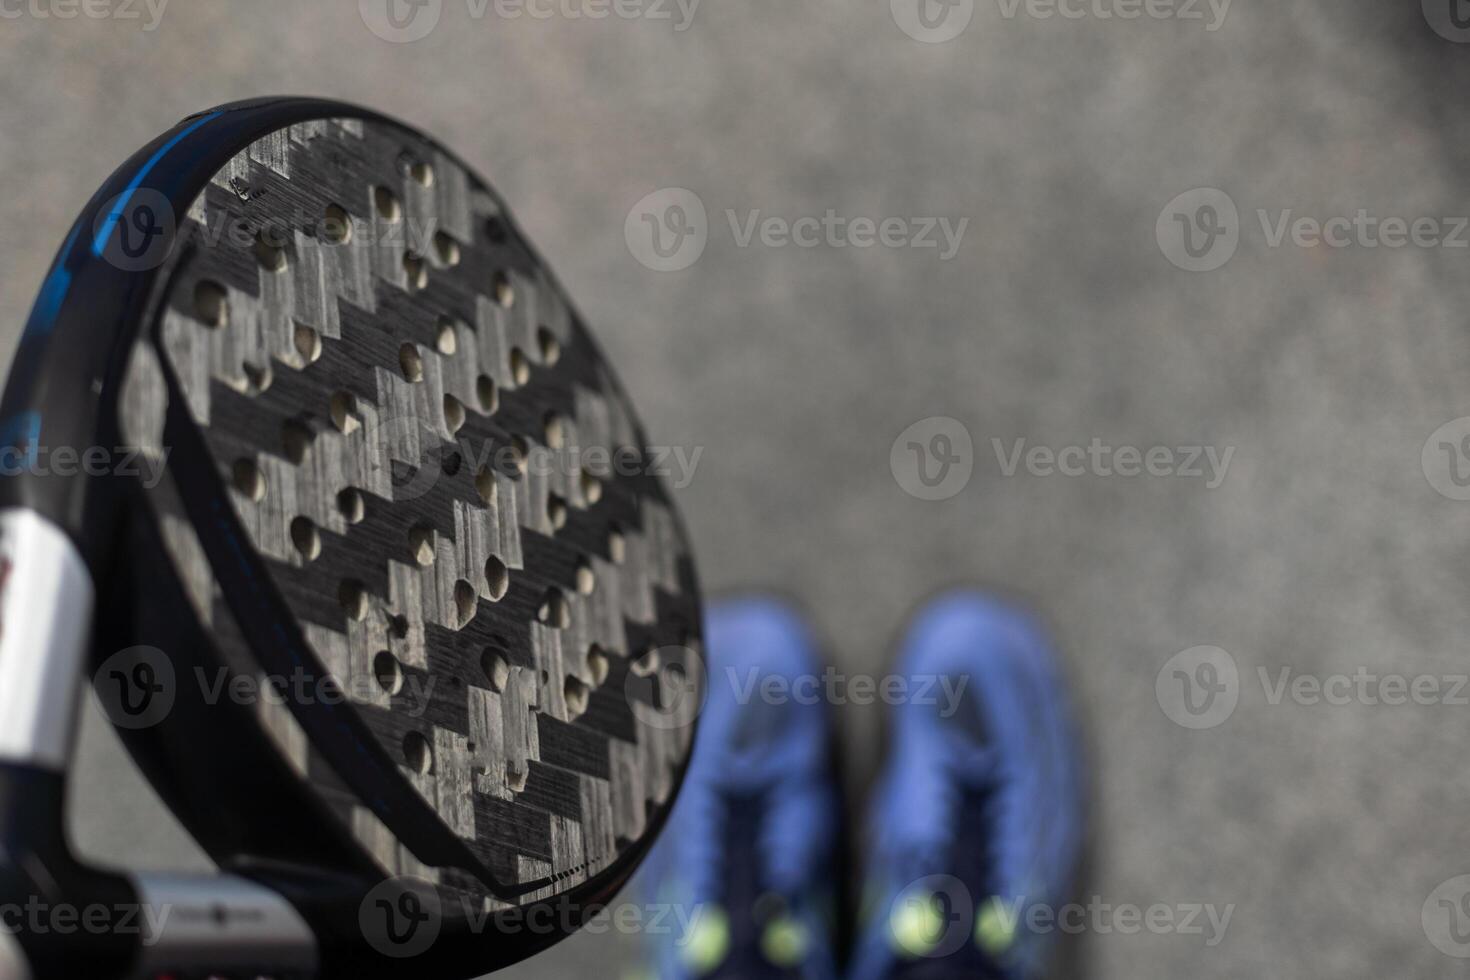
46, 597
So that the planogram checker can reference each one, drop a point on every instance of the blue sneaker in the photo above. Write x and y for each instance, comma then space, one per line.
978, 817
749, 856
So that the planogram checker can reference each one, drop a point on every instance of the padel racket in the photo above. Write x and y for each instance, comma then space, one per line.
314, 473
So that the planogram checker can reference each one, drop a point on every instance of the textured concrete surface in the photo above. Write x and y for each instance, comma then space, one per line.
1325, 550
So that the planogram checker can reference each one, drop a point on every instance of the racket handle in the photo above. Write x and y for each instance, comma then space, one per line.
219, 924
46, 597
57, 916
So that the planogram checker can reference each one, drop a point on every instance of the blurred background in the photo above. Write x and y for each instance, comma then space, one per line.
1085, 301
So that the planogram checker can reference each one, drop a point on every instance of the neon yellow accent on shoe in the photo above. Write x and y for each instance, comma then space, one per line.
995, 928
917, 925
785, 942
707, 943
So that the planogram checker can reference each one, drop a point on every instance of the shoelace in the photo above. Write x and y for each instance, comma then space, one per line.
953, 868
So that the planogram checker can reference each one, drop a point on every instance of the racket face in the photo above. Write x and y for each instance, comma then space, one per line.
404, 496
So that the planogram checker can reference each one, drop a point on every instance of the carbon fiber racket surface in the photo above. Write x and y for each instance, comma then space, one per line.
448, 489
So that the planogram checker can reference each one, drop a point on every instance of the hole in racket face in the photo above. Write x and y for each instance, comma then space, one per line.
598, 664
497, 578
306, 539
403, 410
417, 753
248, 480
387, 672
211, 303
497, 671
386, 203
351, 505
550, 346
343, 409
447, 343
411, 363
586, 578
336, 225
268, 250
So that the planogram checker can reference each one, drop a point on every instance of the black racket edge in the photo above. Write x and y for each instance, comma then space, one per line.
63, 389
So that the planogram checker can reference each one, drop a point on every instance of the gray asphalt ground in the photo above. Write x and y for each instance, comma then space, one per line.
1325, 551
